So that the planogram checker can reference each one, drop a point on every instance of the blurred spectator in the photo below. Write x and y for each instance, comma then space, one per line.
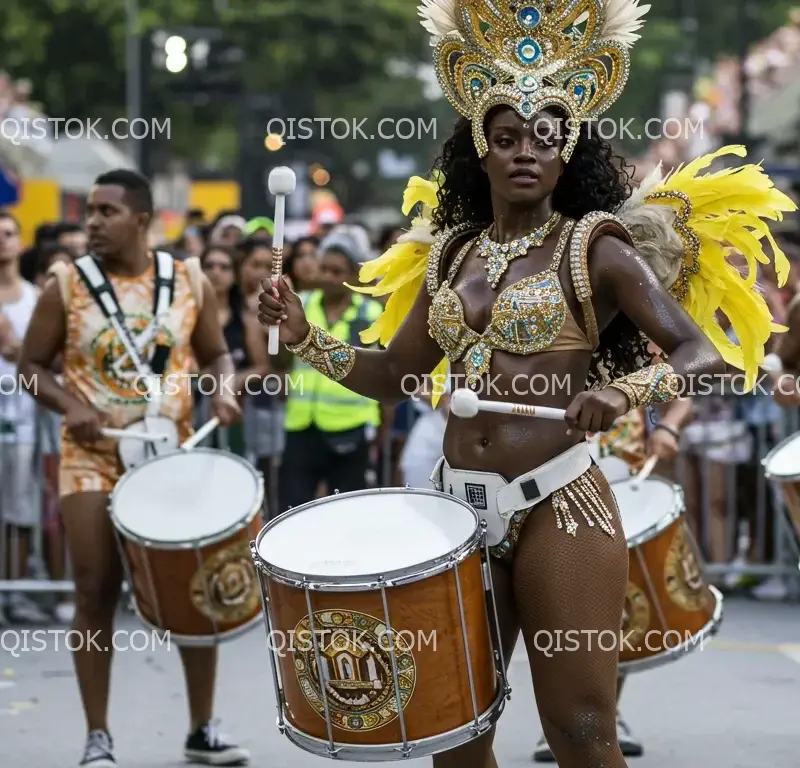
302, 264
74, 237
20, 511
261, 227
243, 334
330, 430
227, 230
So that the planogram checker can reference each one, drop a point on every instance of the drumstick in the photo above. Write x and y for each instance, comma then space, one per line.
200, 435
282, 182
648, 467
772, 363
121, 434
465, 404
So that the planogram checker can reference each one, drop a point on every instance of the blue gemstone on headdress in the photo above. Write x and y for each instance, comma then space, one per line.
526, 107
528, 51
579, 90
476, 84
528, 83
529, 17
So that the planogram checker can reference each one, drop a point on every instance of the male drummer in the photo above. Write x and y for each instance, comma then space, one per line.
635, 440
68, 322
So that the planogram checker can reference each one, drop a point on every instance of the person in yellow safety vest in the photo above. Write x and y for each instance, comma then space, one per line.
330, 431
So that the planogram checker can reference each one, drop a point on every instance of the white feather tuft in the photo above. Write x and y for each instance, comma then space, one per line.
650, 182
419, 234
623, 19
439, 17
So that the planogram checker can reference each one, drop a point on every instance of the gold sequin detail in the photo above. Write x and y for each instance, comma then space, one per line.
530, 56
526, 318
655, 384
691, 242
325, 353
586, 499
579, 268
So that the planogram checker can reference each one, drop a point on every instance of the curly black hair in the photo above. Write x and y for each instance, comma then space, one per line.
595, 179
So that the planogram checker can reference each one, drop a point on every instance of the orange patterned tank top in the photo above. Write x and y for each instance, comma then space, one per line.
92, 346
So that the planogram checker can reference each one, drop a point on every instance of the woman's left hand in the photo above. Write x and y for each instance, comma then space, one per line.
596, 411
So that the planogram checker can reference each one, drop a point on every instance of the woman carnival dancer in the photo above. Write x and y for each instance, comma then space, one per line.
531, 257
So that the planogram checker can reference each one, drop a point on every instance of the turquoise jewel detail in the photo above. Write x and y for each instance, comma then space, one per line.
526, 107
529, 17
528, 51
476, 84
580, 90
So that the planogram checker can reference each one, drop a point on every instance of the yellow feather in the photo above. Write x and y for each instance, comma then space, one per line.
728, 210
400, 272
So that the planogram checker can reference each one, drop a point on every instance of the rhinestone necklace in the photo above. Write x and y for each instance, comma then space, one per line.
499, 255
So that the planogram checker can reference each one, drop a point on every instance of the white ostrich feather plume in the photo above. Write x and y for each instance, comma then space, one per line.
439, 17
623, 19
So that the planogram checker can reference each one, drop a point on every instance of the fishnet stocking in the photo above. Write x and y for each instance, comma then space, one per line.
558, 583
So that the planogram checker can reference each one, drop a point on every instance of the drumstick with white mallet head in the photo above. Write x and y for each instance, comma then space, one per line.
466, 404
644, 473
282, 182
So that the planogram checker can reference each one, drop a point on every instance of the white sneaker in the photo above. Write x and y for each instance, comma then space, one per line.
99, 751
64, 613
22, 610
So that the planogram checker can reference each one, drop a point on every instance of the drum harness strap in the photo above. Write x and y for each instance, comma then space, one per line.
94, 277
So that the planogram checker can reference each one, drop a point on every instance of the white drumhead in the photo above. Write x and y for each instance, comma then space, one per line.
785, 460
613, 468
369, 533
643, 508
185, 497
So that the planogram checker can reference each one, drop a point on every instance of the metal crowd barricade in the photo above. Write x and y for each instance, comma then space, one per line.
721, 466
719, 449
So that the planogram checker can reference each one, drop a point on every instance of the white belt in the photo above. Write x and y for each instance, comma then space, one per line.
496, 500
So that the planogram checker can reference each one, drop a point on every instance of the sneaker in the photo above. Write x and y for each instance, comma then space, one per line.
627, 743
206, 745
542, 753
99, 752
22, 610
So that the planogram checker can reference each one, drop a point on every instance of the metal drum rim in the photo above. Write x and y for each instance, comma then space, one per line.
378, 753
708, 630
771, 455
665, 521
367, 582
172, 546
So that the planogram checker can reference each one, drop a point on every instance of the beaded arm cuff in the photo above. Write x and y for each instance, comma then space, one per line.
327, 354
654, 384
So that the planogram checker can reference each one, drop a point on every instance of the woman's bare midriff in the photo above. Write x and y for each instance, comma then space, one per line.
514, 445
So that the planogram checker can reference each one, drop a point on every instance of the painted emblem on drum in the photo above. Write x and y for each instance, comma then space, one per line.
225, 588
683, 575
355, 651
635, 617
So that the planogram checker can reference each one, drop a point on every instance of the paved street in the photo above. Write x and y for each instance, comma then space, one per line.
736, 704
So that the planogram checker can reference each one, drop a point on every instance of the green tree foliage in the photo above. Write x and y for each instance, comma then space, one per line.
323, 59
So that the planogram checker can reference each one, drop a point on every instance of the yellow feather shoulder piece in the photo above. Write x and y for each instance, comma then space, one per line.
690, 228
400, 272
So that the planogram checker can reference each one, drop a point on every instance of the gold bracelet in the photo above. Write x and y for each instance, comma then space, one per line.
325, 353
655, 384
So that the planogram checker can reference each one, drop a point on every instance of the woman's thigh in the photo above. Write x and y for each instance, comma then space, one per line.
570, 594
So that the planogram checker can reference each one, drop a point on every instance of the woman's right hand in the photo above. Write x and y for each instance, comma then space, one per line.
282, 307
84, 423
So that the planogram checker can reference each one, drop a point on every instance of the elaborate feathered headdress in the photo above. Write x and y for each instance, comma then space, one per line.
532, 54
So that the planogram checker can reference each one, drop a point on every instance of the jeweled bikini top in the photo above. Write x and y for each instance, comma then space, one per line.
528, 317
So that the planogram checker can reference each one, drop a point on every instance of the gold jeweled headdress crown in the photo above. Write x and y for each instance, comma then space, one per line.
532, 54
